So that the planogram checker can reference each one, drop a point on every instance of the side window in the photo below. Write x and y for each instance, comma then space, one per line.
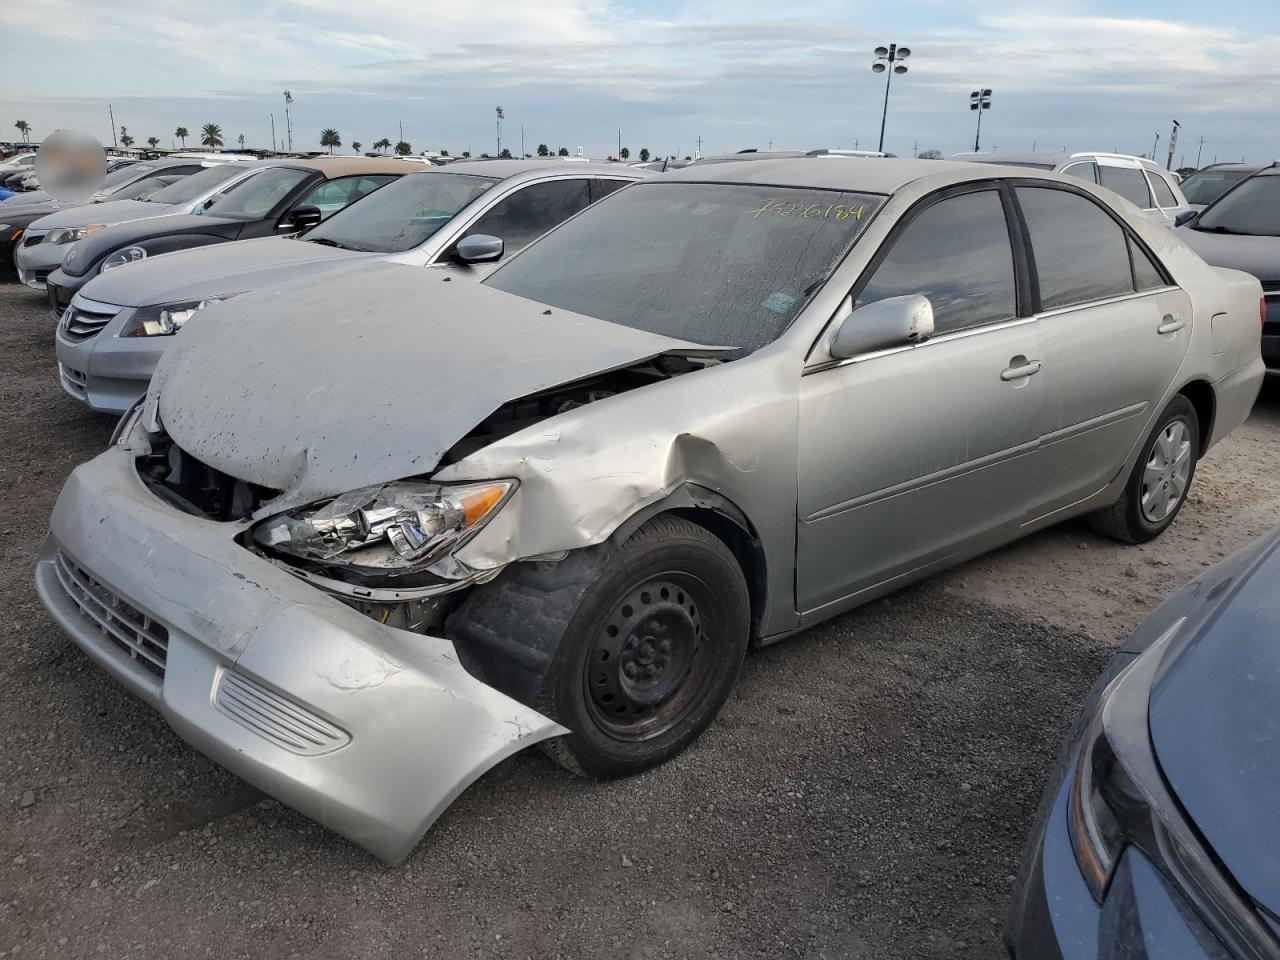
1146, 274
1080, 253
956, 253
1164, 196
332, 195
530, 212
180, 171
1129, 183
1085, 171
602, 188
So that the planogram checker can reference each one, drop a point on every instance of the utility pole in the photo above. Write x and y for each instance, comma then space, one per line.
273, 133
112, 114
1198, 149
619, 153
522, 141
888, 61
288, 120
915, 149
1154, 145
1173, 142
979, 100
498, 122
699, 151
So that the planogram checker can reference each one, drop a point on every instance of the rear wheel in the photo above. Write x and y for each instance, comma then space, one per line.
1161, 478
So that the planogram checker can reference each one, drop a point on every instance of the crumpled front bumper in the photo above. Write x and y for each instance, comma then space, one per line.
369, 730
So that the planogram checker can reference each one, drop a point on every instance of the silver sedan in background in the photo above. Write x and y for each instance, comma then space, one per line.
373, 532
121, 322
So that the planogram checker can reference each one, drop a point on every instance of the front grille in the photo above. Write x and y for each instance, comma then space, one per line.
74, 381
275, 718
31, 239
129, 629
79, 323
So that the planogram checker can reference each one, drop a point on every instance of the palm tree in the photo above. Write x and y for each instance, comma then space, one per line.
624, 153
356, 145
240, 140
403, 148
125, 140
543, 151
24, 128
383, 144
182, 133
329, 138
644, 154
211, 135
154, 141
505, 154
562, 152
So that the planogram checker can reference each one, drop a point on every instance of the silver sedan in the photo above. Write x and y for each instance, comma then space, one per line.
369, 534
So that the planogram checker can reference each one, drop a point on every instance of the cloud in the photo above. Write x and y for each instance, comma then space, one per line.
737, 72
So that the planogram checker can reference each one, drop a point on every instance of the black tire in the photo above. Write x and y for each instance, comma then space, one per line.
1126, 520
669, 612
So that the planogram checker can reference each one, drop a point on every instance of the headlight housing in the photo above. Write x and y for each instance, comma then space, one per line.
121, 257
390, 528
166, 319
71, 234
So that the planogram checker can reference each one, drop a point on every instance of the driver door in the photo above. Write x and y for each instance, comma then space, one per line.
909, 455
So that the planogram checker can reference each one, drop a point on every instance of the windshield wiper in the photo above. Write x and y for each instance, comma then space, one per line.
1226, 230
328, 243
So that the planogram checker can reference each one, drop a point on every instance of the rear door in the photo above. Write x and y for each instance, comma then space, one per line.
1114, 329
1126, 178
909, 455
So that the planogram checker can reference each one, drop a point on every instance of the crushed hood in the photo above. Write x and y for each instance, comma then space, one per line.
217, 270
318, 387
1259, 256
110, 212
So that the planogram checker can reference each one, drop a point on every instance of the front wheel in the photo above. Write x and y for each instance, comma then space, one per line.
650, 653
1161, 477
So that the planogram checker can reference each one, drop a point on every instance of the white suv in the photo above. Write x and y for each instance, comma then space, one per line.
1140, 181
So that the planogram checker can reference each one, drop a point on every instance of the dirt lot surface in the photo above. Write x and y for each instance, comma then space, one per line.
865, 793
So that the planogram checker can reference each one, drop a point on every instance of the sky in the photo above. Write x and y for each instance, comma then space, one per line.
668, 74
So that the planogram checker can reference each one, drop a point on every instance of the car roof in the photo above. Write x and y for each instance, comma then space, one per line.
1046, 160
333, 167
503, 169
884, 175
1243, 167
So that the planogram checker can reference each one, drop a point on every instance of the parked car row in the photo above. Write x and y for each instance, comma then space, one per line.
507, 453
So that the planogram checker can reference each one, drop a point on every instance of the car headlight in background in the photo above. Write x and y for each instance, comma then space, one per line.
118, 259
166, 319
71, 234
1117, 792
392, 527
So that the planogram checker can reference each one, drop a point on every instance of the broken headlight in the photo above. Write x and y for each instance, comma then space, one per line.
393, 526
166, 319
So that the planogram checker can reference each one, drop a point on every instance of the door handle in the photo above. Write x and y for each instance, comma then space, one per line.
1170, 324
1020, 368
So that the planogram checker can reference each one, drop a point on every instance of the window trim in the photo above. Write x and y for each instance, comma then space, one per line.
1139, 170
1096, 181
1152, 175
1131, 236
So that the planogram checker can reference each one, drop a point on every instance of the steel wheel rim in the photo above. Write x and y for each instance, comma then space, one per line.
648, 663
1167, 472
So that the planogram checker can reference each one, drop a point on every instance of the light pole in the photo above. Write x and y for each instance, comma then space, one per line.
980, 100
498, 122
889, 61
288, 121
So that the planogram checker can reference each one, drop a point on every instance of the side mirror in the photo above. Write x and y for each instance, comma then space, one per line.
1185, 217
301, 218
478, 248
894, 322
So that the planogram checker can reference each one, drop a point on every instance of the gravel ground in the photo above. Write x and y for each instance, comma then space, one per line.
864, 794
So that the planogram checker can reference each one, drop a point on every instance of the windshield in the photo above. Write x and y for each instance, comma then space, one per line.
718, 264
1252, 208
197, 184
256, 196
403, 214
1208, 185
141, 189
